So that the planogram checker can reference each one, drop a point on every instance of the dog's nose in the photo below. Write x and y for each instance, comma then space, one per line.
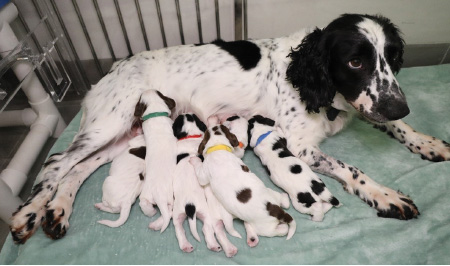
395, 109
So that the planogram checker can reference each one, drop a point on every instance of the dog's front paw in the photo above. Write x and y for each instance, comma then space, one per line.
56, 221
434, 150
25, 221
388, 202
231, 251
187, 247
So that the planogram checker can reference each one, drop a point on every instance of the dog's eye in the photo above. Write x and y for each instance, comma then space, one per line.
355, 64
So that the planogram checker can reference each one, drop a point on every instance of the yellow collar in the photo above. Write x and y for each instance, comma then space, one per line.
219, 147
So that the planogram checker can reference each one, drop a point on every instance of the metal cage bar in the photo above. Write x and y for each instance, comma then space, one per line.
141, 21
180, 22
199, 21
105, 32
216, 7
161, 24
88, 38
122, 25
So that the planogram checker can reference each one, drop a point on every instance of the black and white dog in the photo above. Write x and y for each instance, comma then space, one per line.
309, 83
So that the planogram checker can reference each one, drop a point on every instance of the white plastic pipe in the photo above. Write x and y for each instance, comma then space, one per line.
14, 118
8, 202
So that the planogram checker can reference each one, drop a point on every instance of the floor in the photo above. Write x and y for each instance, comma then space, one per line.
11, 138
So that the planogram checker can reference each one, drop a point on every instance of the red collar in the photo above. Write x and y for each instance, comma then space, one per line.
191, 137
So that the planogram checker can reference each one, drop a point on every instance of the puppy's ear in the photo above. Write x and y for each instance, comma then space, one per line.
169, 101
205, 140
177, 127
230, 136
308, 72
140, 108
199, 123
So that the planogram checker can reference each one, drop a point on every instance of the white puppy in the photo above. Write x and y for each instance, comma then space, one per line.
241, 192
160, 159
238, 125
307, 192
124, 183
190, 199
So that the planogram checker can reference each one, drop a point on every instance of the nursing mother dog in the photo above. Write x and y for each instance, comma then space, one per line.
310, 83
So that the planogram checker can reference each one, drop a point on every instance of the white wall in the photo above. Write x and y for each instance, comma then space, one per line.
421, 21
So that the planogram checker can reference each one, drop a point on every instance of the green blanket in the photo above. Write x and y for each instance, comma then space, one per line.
351, 234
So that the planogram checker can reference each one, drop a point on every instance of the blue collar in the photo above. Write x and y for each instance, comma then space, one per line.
262, 137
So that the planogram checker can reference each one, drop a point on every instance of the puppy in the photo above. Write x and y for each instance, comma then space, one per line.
124, 183
307, 192
238, 126
155, 109
190, 199
241, 192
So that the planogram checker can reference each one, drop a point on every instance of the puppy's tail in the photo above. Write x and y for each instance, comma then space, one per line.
124, 213
282, 216
192, 219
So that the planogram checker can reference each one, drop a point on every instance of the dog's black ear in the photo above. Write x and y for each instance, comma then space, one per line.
169, 101
308, 72
199, 123
177, 127
205, 140
230, 136
139, 109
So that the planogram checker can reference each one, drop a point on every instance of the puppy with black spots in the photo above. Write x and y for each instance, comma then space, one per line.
189, 196
307, 192
124, 183
240, 191
155, 109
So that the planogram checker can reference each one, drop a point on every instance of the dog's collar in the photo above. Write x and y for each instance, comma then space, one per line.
155, 114
262, 137
191, 137
218, 148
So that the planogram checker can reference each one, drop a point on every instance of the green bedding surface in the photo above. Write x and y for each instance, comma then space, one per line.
351, 234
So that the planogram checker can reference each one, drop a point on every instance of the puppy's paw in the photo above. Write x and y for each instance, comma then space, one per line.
187, 247
231, 251
216, 247
252, 241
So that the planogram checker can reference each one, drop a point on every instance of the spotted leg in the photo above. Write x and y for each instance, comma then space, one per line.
430, 148
388, 202
58, 212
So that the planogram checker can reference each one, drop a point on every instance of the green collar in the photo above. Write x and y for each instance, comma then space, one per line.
156, 114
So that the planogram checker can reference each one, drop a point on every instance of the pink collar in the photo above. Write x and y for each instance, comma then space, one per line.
191, 137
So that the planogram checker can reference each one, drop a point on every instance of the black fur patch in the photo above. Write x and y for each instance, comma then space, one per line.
141, 177
245, 168
296, 169
232, 118
244, 195
139, 152
317, 187
190, 210
332, 113
305, 198
334, 201
246, 53
181, 156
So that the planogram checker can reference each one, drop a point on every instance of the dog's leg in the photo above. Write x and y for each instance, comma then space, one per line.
202, 176
430, 148
228, 247
208, 232
227, 219
282, 199
60, 208
183, 243
105, 208
388, 202
252, 236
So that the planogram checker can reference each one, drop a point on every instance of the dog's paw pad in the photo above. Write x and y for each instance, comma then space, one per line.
252, 242
56, 223
187, 248
230, 252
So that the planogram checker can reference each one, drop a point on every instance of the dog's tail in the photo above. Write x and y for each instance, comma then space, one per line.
192, 219
282, 216
124, 213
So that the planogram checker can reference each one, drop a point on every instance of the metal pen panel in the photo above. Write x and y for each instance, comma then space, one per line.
105, 32
88, 38
161, 24
141, 21
238, 20
122, 25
